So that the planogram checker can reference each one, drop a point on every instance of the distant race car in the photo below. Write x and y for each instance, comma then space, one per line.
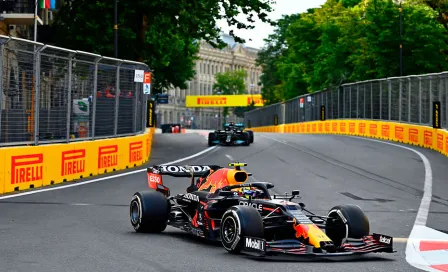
245, 217
233, 134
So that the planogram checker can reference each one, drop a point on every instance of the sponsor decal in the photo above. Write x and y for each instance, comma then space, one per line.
191, 197
314, 127
254, 243
385, 240
362, 128
155, 178
301, 230
373, 129
440, 142
107, 156
254, 205
256, 100
212, 101
327, 127
385, 131
182, 169
413, 135
26, 168
342, 126
320, 127
351, 127
135, 151
399, 133
335, 127
427, 137
147, 147
73, 162
446, 144
308, 127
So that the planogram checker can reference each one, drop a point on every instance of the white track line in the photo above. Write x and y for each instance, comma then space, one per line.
103, 178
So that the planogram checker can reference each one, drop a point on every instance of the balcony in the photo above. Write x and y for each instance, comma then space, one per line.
18, 12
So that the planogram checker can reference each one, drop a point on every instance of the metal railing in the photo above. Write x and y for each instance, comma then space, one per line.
51, 94
406, 99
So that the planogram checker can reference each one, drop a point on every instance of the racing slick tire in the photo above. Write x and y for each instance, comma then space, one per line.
149, 212
251, 135
237, 222
246, 138
349, 221
211, 138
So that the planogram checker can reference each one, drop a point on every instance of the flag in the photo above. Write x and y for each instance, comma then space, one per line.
45, 4
53, 4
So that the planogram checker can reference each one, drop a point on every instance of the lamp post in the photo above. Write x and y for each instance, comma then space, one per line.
401, 39
116, 28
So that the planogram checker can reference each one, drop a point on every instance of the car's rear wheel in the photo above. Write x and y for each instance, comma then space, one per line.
239, 222
246, 138
346, 221
149, 211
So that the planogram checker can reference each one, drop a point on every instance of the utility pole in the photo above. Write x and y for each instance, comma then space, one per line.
116, 28
401, 40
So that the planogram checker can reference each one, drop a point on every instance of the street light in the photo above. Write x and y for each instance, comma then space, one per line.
116, 28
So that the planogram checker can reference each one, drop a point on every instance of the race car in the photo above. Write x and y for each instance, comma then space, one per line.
221, 205
231, 135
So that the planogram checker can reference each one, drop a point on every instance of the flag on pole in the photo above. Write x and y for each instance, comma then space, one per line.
53, 4
45, 4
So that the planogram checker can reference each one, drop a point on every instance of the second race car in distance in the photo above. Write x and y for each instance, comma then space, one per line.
231, 135
245, 217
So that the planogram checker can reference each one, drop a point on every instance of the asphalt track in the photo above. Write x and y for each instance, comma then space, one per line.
87, 228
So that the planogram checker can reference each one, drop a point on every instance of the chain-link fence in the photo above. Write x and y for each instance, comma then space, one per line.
51, 94
405, 99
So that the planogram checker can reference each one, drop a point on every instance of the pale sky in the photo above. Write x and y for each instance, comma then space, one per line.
262, 30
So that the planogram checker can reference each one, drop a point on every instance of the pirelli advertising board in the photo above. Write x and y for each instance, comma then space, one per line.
207, 101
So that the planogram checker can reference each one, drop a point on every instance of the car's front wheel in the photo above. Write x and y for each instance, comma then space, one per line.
239, 222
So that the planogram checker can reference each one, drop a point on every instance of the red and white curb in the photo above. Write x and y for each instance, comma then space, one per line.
427, 249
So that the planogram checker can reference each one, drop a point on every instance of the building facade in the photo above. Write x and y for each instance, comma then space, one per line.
234, 56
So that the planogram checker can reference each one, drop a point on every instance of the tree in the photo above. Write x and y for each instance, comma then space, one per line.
230, 83
164, 34
269, 56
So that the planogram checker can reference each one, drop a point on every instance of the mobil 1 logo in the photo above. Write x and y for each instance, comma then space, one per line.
254, 244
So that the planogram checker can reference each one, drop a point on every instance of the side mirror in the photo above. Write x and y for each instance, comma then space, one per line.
295, 192
225, 193
302, 205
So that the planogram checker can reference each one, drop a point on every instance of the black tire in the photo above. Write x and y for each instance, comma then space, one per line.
149, 212
352, 224
246, 221
246, 139
251, 135
211, 137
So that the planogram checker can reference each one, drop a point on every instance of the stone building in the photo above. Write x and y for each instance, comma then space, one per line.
234, 56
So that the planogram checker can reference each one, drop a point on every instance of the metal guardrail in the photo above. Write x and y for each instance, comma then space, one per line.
51, 94
406, 99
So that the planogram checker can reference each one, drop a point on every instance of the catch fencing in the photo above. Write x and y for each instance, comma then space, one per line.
406, 99
51, 94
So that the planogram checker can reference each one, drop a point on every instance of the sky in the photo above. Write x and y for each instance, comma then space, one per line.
262, 30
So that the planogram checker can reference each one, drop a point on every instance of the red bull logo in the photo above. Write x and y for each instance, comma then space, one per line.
107, 156
311, 232
26, 168
73, 162
135, 151
215, 181
301, 230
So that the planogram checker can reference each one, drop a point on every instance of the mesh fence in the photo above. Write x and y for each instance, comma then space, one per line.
406, 99
52, 94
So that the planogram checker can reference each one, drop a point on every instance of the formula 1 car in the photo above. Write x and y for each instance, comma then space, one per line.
231, 135
246, 218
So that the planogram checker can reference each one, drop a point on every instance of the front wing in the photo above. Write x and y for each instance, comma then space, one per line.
375, 243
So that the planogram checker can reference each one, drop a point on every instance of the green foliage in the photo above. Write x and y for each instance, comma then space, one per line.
230, 83
349, 40
162, 33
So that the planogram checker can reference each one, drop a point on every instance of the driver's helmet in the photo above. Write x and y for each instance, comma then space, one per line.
249, 192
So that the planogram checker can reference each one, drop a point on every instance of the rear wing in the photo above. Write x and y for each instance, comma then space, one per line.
181, 171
